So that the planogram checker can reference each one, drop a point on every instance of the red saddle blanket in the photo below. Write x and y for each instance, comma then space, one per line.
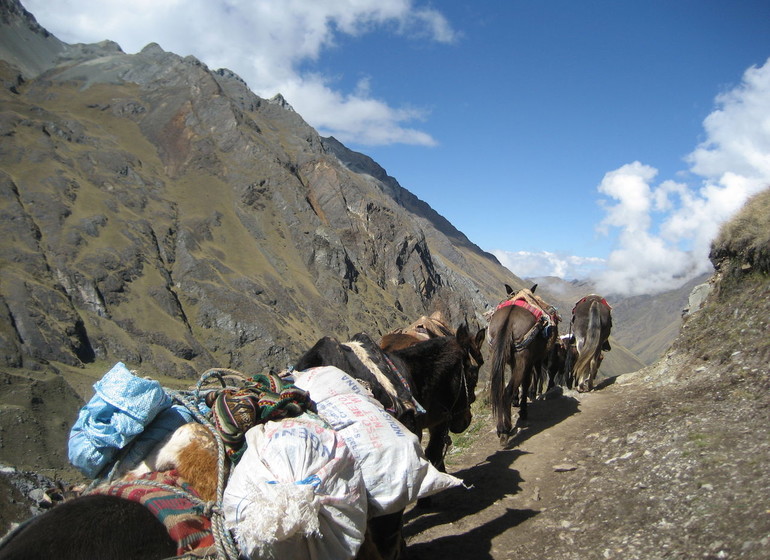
183, 518
536, 311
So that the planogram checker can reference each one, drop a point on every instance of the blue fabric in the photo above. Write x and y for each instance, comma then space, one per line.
121, 407
165, 422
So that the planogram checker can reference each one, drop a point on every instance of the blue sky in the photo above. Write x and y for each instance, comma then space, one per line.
602, 138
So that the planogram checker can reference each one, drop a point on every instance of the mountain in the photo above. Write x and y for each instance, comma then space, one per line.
645, 325
159, 213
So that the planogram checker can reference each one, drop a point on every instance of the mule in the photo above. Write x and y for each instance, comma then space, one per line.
591, 325
561, 361
447, 398
93, 526
429, 382
519, 332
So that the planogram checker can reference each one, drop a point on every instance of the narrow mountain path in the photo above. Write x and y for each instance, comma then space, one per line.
511, 490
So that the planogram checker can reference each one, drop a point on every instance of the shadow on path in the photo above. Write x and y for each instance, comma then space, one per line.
545, 413
476, 543
487, 482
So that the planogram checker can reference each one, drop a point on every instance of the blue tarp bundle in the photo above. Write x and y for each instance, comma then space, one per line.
122, 406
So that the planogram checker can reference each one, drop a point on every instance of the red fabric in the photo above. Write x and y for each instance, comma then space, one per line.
537, 312
183, 519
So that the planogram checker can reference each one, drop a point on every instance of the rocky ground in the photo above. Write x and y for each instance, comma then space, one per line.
652, 465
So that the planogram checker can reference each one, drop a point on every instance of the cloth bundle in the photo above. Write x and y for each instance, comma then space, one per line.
296, 493
122, 406
265, 398
390, 457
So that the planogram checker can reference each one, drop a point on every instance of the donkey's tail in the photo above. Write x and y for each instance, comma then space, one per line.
591, 344
501, 354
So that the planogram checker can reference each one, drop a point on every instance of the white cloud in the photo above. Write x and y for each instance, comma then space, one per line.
527, 264
266, 43
664, 231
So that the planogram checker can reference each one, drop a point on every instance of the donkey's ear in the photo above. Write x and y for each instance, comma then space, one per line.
462, 335
508, 290
533, 288
480, 336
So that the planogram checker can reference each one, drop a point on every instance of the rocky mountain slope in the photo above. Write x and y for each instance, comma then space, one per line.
158, 212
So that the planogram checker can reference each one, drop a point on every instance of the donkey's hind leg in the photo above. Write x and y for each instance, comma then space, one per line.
504, 427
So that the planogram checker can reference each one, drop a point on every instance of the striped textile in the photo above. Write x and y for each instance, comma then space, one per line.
264, 398
184, 520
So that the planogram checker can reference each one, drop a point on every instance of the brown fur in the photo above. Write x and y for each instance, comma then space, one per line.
192, 450
198, 464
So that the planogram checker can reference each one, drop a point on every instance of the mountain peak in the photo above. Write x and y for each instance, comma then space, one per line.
280, 100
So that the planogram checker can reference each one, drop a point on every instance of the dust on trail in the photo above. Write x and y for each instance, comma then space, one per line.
508, 488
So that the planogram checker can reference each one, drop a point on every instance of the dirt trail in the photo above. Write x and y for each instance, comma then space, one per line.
510, 489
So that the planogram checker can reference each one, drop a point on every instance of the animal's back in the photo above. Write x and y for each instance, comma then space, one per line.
93, 527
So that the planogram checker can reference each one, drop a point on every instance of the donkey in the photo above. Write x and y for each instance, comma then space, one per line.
591, 324
519, 333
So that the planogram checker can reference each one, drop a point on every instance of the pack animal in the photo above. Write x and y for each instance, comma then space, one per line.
94, 526
591, 325
519, 333
427, 384
560, 361
445, 403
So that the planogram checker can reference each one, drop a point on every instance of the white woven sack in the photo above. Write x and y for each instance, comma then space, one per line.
390, 457
327, 381
296, 493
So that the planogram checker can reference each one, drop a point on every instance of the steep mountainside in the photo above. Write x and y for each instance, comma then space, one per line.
158, 212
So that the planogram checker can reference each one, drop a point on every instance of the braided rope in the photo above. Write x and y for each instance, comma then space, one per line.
226, 547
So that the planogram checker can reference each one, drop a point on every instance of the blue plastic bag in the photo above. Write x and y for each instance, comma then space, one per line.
122, 405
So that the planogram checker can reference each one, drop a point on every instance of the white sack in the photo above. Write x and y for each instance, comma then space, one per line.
390, 457
328, 381
296, 493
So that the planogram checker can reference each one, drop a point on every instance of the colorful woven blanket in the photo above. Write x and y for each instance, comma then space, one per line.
536, 311
264, 398
184, 520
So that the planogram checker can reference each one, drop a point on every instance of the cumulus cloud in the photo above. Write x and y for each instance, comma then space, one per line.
270, 45
664, 230
526, 264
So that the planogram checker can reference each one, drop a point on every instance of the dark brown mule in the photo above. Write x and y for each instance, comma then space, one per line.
591, 325
447, 402
518, 341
